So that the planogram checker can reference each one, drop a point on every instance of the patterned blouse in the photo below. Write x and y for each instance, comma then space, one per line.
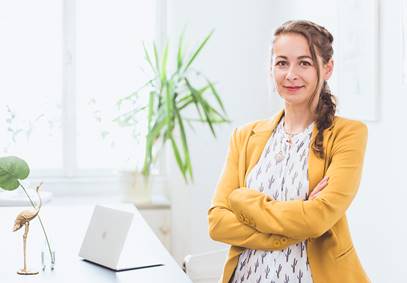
282, 173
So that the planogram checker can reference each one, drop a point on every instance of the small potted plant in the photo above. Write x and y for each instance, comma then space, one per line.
12, 171
166, 99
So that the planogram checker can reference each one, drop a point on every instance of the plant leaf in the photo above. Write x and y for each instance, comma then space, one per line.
152, 136
204, 105
169, 95
150, 108
187, 164
194, 96
179, 52
177, 155
197, 51
216, 94
186, 100
12, 169
147, 55
156, 59
164, 62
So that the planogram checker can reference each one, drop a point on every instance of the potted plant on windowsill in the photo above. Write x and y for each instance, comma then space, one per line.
164, 102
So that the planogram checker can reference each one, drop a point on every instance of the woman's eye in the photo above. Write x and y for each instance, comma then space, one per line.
305, 63
281, 63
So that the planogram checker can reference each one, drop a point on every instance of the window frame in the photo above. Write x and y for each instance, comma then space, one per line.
85, 181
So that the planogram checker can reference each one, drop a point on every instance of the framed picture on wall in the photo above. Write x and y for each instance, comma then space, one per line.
358, 59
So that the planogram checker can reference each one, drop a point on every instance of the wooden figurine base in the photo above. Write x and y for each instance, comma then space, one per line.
26, 272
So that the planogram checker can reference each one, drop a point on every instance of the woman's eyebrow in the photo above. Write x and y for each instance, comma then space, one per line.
305, 57
299, 57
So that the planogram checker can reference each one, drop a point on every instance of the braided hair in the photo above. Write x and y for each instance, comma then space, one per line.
320, 43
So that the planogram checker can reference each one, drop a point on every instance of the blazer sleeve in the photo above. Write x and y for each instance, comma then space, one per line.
299, 219
224, 226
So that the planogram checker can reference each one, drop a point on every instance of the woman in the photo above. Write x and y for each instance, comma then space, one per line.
282, 198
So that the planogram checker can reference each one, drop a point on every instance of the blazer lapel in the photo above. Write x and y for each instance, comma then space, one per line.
254, 145
317, 166
259, 135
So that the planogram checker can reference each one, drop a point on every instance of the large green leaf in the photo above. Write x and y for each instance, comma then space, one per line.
148, 58
203, 105
187, 168
152, 136
12, 169
216, 94
156, 60
150, 110
164, 62
184, 101
168, 106
177, 155
197, 51
180, 52
195, 97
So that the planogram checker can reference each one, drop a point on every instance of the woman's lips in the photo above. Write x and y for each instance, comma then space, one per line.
293, 88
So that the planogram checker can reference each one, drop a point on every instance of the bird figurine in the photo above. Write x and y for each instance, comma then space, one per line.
23, 219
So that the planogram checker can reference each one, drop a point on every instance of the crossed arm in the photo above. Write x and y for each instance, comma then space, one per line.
229, 227
244, 217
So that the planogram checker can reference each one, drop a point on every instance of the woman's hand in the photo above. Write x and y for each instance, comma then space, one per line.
321, 185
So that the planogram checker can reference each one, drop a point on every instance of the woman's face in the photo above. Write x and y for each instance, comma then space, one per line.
294, 72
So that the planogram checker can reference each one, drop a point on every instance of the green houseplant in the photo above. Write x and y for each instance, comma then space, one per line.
12, 171
166, 99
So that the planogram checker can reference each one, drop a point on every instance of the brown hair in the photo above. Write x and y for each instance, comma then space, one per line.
320, 43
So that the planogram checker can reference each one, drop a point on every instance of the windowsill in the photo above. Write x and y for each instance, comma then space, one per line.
81, 185
105, 184
157, 201
91, 189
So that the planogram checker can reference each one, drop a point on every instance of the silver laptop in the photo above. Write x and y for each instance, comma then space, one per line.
120, 240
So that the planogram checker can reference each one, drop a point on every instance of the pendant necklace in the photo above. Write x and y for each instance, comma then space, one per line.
288, 138
279, 156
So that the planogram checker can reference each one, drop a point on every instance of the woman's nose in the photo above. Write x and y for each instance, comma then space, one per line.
291, 74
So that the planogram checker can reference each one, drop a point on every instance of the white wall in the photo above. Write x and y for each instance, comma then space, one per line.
378, 216
237, 57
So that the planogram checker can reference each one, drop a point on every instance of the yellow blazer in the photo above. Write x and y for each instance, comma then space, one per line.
247, 219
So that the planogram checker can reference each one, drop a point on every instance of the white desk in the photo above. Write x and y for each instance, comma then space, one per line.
66, 227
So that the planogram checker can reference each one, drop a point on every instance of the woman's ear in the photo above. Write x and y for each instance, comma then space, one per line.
328, 69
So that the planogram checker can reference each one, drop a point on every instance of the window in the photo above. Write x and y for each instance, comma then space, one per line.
64, 66
31, 84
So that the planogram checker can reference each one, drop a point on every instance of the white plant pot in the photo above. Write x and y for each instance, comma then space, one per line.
140, 189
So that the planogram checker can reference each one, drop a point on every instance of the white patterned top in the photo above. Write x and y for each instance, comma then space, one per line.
282, 173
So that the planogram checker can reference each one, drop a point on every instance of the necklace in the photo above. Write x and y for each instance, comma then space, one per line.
279, 156
289, 138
